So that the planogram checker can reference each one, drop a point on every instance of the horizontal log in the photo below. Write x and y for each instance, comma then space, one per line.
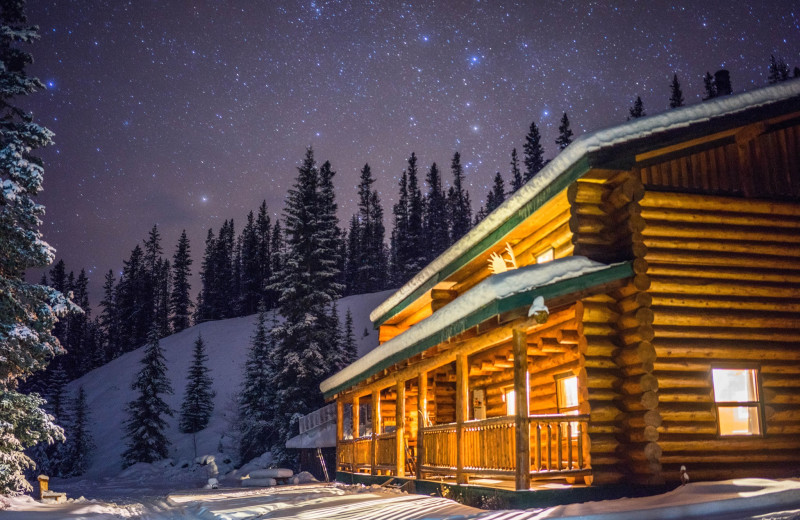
744, 304
638, 420
637, 334
676, 286
648, 451
682, 380
707, 231
639, 317
744, 272
645, 435
605, 363
668, 430
709, 204
700, 347
732, 444
731, 246
686, 395
641, 402
693, 216
636, 370
780, 380
639, 384
600, 346
603, 412
718, 258
726, 333
636, 353
732, 458
635, 301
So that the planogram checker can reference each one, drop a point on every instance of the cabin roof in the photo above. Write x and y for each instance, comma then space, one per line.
615, 146
497, 294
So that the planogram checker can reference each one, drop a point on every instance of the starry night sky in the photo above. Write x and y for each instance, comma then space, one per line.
184, 114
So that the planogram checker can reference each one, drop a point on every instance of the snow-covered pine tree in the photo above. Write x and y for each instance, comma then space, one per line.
263, 229
637, 110
28, 312
435, 217
307, 283
534, 152
330, 236
78, 448
161, 287
675, 93
353, 282
516, 175
257, 393
145, 425
460, 209
349, 347
198, 398
181, 272
564, 133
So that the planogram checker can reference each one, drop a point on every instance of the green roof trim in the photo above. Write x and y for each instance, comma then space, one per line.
573, 173
499, 306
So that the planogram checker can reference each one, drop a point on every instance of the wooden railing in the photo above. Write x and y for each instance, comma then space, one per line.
557, 446
354, 454
557, 443
345, 450
386, 456
490, 445
440, 448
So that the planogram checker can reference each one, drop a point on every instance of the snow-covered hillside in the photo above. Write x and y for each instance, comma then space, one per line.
108, 387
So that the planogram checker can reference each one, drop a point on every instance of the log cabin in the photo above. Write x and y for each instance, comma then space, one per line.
633, 308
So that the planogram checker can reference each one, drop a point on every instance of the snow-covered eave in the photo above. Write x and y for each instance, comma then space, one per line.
497, 294
569, 165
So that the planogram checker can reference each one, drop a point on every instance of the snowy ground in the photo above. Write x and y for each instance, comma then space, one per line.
756, 499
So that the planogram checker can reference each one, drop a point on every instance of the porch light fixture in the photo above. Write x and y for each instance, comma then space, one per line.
539, 310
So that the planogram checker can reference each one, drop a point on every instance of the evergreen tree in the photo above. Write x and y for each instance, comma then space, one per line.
161, 312
145, 425
498, 194
349, 347
415, 255
352, 274
460, 210
208, 275
675, 93
108, 321
516, 175
330, 236
198, 398
80, 444
399, 239
257, 393
28, 312
637, 110
263, 230
778, 70
251, 269
181, 272
370, 262
534, 152
435, 218
307, 284
709, 87
796, 72
134, 304
564, 133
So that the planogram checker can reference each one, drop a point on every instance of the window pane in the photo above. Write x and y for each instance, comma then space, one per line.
545, 256
734, 385
511, 404
567, 392
738, 420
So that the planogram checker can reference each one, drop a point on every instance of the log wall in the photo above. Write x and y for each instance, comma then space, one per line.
725, 291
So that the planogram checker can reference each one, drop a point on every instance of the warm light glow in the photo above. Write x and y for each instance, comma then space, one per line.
546, 256
736, 395
567, 392
511, 403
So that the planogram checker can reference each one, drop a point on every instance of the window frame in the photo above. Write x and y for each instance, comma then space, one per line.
548, 249
558, 378
757, 404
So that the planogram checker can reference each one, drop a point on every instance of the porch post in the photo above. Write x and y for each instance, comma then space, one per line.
356, 418
339, 419
522, 421
462, 413
400, 429
376, 425
422, 409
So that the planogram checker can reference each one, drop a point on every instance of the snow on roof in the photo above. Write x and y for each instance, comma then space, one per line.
496, 287
635, 129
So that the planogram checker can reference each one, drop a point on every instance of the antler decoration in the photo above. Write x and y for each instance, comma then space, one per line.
498, 264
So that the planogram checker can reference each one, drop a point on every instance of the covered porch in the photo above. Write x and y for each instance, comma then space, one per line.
505, 401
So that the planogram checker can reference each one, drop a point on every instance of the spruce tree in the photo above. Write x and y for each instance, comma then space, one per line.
161, 312
256, 397
181, 272
352, 269
399, 239
564, 133
330, 236
349, 347
263, 231
251, 269
516, 175
460, 210
208, 275
675, 93
108, 321
534, 152
497, 195
28, 312
778, 70
145, 425
435, 216
370, 261
637, 110
709, 87
80, 443
796, 72
416, 255
198, 398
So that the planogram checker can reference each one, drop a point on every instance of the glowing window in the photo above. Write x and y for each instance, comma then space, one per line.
567, 393
545, 256
737, 400
511, 403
